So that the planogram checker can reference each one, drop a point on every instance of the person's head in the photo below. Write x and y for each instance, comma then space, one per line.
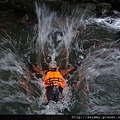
53, 65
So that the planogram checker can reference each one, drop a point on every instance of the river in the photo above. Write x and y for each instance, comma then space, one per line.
94, 87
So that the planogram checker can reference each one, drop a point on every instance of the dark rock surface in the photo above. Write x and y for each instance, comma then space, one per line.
23, 11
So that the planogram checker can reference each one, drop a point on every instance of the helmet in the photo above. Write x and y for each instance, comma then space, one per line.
53, 64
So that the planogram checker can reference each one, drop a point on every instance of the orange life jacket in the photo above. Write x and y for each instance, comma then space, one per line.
53, 78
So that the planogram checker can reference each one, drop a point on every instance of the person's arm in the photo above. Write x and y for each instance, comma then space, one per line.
35, 69
39, 74
67, 70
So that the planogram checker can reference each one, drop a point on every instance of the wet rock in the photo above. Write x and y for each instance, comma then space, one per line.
90, 5
29, 5
25, 19
30, 24
116, 14
104, 9
115, 4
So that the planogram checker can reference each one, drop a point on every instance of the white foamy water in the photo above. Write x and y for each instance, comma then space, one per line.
55, 40
101, 70
113, 23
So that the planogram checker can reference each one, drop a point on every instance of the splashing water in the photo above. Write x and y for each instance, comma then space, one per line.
53, 40
101, 71
54, 43
110, 23
57, 40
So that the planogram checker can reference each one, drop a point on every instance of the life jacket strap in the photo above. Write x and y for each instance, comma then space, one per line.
52, 81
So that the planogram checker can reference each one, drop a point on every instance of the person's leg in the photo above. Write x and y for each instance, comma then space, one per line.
50, 93
54, 93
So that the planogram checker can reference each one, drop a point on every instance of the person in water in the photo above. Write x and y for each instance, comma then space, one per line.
54, 81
